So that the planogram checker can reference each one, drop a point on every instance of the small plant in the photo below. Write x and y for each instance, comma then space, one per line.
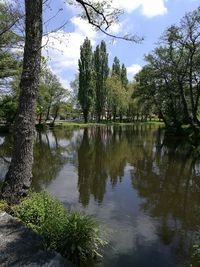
76, 236
82, 238
3, 205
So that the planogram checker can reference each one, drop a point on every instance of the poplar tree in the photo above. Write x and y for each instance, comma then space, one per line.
86, 82
101, 74
116, 69
124, 77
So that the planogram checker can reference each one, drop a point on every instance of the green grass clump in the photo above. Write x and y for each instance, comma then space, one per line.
3, 205
81, 238
45, 215
74, 235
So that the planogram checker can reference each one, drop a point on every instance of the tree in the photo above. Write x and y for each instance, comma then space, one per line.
86, 79
124, 78
74, 94
51, 93
19, 176
171, 77
117, 101
116, 69
10, 60
101, 74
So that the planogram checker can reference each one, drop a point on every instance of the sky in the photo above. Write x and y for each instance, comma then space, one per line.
146, 18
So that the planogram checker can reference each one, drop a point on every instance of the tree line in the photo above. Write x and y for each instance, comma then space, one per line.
169, 84
102, 93
53, 100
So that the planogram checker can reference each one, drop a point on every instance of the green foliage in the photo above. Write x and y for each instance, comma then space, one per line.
117, 95
82, 237
3, 205
9, 62
124, 76
74, 235
8, 107
116, 69
51, 95
170, 80
86, 92
45, 215
101, 70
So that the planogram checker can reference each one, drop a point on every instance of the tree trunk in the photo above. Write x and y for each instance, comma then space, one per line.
85, 115
114, 114
98, 117
185, 109
48, 112
120, 117
19, 176
40, 119
55, 115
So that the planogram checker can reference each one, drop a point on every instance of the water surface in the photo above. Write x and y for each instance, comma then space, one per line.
142, 188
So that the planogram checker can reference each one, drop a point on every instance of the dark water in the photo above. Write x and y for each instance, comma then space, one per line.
142, 188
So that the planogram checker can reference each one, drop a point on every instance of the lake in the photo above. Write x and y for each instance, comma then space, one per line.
143, 188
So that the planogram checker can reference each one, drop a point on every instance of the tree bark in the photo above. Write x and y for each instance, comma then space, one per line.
48, 112
55, 115
19, 176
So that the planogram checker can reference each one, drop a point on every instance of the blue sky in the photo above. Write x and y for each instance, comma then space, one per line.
148, 18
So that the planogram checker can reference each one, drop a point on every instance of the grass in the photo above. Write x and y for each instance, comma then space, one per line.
74, 235
103, 123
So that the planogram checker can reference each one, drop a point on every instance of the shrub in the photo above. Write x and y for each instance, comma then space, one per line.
45, 215
74, 235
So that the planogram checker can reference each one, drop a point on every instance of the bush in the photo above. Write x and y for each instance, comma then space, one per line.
74, 235
45, 215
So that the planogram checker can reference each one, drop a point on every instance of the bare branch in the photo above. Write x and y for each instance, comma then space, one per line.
107, 20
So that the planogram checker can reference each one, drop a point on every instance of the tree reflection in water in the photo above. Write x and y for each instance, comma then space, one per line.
163, 172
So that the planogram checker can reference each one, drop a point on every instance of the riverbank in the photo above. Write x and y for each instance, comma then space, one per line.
20, 246
74, 235
91, 124
77, 124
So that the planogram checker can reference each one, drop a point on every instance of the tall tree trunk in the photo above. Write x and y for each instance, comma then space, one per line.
120, 117
40, 119
48, 111
185, 108
19, 176
55, 115
114, 114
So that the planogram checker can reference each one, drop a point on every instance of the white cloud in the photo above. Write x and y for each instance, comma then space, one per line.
63, 49
134, 69
83, 27
149, 8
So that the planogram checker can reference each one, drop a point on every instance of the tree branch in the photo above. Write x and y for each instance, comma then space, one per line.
104, 21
